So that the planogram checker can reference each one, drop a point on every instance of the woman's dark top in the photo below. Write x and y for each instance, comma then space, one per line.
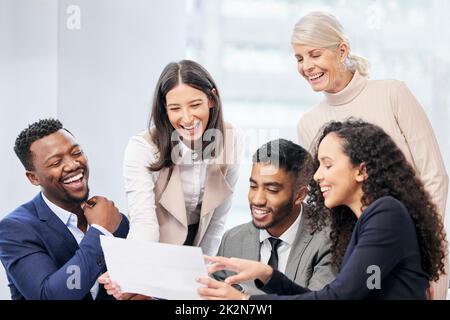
384, 239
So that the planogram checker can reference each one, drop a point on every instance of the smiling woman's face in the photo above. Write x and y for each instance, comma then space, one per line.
322, 68
340, 182
188, 111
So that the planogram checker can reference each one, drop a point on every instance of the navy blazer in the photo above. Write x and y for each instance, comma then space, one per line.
384, 236
40, 255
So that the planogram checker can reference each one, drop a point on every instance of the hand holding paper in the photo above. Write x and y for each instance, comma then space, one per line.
154, 269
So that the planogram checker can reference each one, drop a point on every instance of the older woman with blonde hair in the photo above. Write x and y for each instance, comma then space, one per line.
326, 62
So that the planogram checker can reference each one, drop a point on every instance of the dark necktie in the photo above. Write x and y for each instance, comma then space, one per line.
273, 260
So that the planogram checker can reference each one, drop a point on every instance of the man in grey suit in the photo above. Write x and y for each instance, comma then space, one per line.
281, 232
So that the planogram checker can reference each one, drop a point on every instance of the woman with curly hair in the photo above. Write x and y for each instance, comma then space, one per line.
387, 234
328, 64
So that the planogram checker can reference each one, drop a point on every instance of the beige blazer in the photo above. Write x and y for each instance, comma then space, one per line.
156, 206
170, 208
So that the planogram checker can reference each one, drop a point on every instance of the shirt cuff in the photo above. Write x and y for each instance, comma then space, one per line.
102, 230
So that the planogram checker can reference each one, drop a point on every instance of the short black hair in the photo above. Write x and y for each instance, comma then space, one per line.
35, 131
288, 155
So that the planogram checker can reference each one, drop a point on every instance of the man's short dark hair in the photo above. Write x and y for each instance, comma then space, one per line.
35, 131
285, 154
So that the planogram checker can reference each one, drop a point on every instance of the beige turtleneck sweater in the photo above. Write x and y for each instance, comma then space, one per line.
390, 105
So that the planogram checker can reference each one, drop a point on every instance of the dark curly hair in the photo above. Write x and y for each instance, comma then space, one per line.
291, 157
389, 174
35, 131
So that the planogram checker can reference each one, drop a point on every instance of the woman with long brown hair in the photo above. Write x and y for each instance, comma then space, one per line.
181, 171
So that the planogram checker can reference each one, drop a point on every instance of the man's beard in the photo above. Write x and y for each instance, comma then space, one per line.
77, 200
282, 214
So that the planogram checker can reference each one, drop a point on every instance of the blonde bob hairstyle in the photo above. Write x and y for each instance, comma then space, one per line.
323, 30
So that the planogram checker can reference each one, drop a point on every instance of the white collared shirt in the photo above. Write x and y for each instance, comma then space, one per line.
284, 249
71, 221
193, 178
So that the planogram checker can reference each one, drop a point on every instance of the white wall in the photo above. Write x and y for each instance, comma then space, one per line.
106, 75
28, 62
98, 80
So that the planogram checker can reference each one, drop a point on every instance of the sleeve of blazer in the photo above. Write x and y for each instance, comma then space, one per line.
33, 271
379, 244
324, 272
221, 275
139, 189
122, 230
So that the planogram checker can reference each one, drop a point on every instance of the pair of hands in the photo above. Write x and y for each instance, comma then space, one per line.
245, 270
213, 290
101, 211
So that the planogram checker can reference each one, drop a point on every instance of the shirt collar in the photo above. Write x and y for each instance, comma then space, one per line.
68, 218
288, 236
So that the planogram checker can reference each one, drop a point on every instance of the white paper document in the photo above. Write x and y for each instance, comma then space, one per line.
159, 270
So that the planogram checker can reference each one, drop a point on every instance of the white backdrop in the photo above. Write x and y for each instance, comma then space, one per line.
98, 80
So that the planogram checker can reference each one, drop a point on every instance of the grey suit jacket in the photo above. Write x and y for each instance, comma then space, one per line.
309, 263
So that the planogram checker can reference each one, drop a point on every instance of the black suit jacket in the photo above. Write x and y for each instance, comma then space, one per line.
384, 237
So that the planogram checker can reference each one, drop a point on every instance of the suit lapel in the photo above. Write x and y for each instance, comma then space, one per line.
172, 198
65, 238
250, 244
302, 240
216, 189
